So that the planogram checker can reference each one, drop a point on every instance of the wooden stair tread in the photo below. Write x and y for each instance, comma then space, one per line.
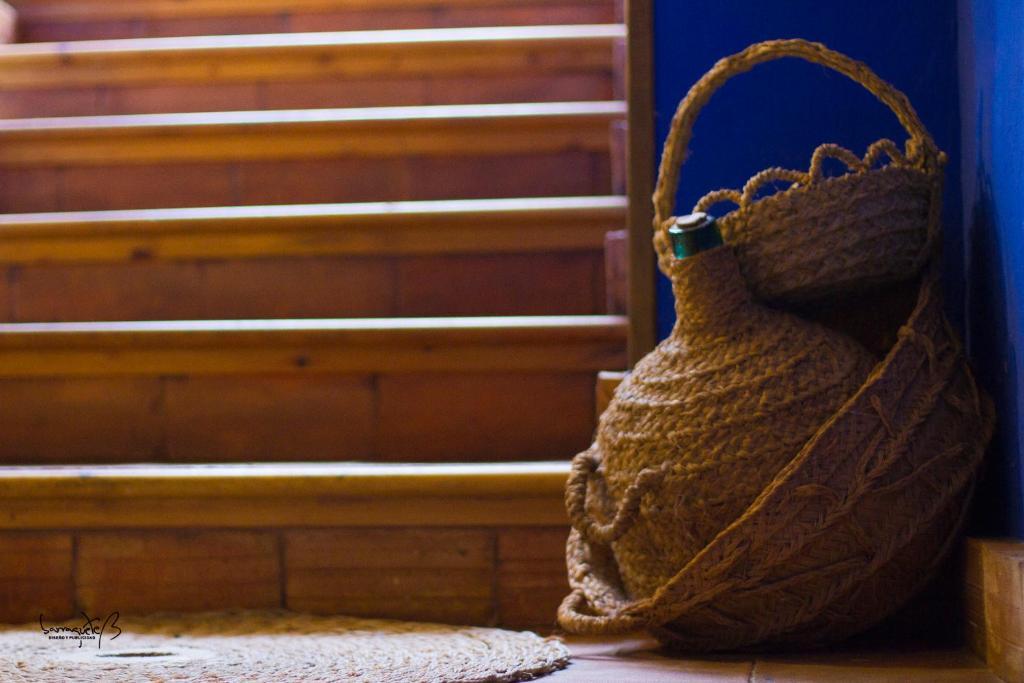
356, 479
285, 494
308, 133
211, 59
46, 21
221, 347
379, 228
195, 122
84, 10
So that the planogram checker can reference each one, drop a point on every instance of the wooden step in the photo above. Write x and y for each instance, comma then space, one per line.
539, 256
48, 20
409, 389
289, 71
458, 543
309, 155
476, 544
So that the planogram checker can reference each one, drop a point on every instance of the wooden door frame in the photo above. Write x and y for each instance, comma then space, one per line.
639, 18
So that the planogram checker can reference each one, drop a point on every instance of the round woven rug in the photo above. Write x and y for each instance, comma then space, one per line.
279, 646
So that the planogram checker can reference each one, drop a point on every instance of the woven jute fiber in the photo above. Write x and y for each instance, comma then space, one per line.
707, 420
278, 647
844, 534
732, 501
876, 222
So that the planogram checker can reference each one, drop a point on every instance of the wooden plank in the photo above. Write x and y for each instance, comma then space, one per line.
640, 176
277, 511
302, 389
256, 19
321, 480
563, 344
532, 577
886, 665
283, 495
312, 155
506, 284
418, 574
267, 418
372, 132
994, 600
84, 10
312, 287
316, 70
314, 418
530, 256
140, 572
501, 416
46, 420
309, 287
310, 56
636, 658
340, 179
35, 576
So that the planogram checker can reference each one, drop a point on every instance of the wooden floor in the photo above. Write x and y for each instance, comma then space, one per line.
638, 660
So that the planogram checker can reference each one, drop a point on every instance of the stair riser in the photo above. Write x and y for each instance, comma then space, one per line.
509, 576
114, 19
319, 287
342, 180
412, 417
385, 91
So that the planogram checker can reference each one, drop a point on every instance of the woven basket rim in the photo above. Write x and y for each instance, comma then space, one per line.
924, 180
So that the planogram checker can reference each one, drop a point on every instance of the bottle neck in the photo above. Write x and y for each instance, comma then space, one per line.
709, 290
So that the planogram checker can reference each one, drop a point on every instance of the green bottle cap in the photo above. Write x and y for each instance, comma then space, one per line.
693, 234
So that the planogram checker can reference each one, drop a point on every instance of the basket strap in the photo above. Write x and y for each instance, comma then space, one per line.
919, 147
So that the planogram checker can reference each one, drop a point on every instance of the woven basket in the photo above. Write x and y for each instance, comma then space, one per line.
873, 225
849, 524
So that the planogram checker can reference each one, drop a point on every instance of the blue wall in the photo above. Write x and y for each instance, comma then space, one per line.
992, 110
778, 113
961, 63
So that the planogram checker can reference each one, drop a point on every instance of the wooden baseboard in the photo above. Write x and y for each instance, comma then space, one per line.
994, 601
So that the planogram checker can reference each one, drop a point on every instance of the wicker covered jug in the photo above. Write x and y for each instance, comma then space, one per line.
742, 499
706, 420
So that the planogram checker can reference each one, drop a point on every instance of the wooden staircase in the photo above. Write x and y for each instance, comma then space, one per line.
244, 244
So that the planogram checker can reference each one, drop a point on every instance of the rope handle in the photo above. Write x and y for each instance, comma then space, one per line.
749, 193
584, 468
919, 147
